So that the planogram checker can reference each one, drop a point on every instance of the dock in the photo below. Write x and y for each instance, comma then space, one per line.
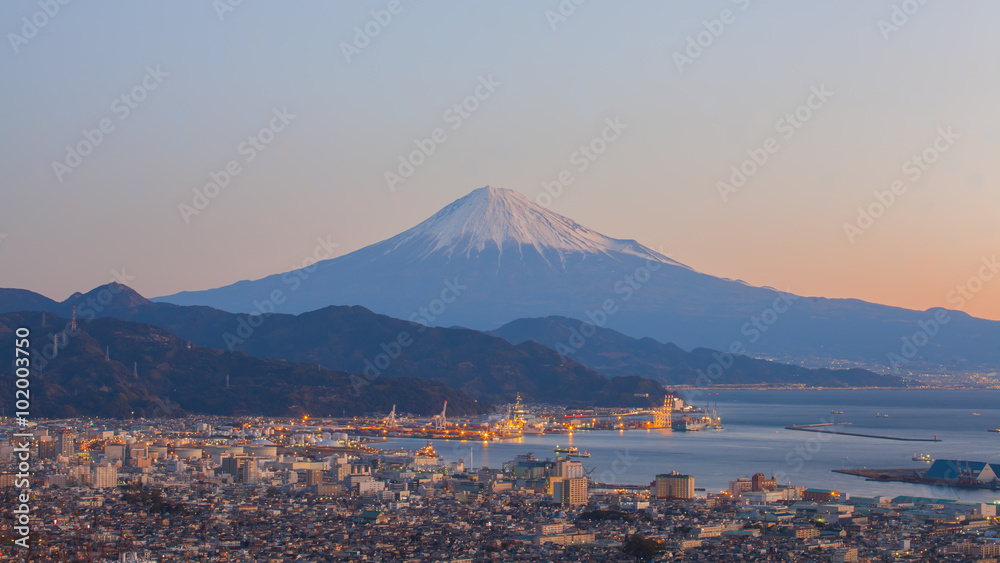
918, 476
914, 475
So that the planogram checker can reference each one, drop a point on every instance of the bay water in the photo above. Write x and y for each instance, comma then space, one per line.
754, 439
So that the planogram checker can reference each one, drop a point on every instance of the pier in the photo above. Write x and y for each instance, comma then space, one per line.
906, 475
620, 487
816, 428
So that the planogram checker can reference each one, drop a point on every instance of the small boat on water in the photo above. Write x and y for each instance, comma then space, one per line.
880, 415
976, 414
926, 458
993, 429
836, 412
572, 451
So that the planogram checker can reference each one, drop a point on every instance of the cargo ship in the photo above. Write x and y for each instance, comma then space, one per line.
922, 457
533, 429
691, 423
572, 451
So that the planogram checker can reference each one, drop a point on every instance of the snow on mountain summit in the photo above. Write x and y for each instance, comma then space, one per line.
496, 218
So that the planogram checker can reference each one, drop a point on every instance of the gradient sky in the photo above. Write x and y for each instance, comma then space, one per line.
323, 175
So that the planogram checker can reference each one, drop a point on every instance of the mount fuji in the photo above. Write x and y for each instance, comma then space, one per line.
494, 256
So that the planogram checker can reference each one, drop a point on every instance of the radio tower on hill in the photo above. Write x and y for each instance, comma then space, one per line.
72, 324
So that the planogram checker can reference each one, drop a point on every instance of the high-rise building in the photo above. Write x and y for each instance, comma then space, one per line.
241, 466
231, 464
568, 468
341, 470
249, 473
314, 477
571, 492
762, 483
105, 476
47, 448
673, 485
64, 446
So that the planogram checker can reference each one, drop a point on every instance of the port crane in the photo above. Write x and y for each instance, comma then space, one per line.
439, 420
390, 421
506, 424
661, 415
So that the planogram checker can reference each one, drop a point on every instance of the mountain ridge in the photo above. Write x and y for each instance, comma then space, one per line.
613, 354
507, 278
119, 369
489, 367
354, 339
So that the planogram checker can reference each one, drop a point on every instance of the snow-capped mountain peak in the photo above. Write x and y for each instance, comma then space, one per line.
492, 218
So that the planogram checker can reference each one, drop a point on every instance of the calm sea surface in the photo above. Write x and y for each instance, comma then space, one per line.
754, 439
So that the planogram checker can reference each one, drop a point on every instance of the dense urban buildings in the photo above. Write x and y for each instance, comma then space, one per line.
267, 490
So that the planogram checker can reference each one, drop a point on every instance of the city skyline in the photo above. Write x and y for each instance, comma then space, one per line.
399, 280
667, 120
